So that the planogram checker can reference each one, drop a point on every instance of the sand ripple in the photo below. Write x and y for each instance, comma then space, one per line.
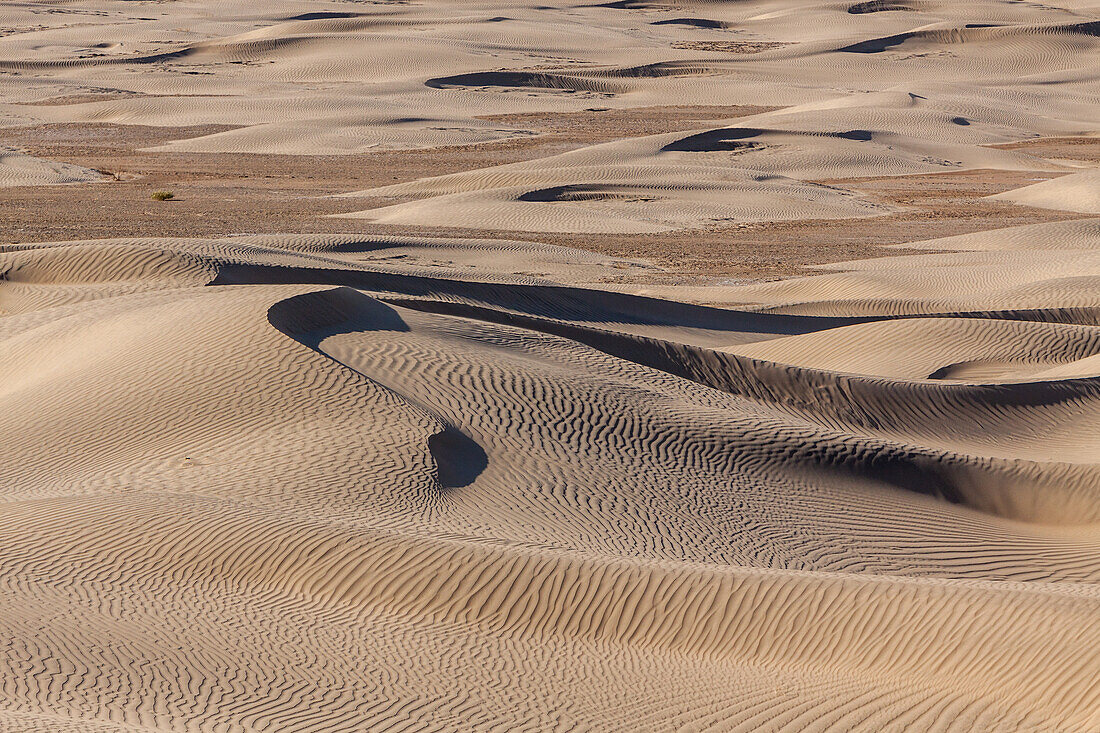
263, 483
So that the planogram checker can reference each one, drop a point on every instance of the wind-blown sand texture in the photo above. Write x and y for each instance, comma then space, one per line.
386, 479
17, 169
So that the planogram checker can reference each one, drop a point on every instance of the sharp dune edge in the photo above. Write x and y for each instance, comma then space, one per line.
343, 482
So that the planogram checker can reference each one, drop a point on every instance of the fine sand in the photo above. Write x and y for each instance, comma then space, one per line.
702, 366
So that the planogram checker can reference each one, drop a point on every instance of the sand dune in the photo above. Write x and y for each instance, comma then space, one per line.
1077, 192
351, 456
1044, 272
968, 349
682, 180
619, 197
1082, 234
17, 169
440, 473
350, 135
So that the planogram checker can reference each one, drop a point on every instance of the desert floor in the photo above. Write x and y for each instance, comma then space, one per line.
710, 365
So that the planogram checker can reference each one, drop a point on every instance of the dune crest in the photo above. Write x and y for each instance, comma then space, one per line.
372, 456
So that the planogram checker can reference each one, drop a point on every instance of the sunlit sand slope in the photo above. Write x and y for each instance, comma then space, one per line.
283, 483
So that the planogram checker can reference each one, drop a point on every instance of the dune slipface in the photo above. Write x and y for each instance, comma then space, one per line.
448, 478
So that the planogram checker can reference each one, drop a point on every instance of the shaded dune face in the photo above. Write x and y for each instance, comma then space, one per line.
282, 464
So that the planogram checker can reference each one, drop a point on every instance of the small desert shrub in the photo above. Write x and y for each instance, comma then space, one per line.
163, 195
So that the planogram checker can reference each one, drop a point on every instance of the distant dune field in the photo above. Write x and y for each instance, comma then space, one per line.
520, 366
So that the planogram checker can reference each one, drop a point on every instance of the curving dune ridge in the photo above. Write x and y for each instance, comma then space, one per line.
374, 444
326, 494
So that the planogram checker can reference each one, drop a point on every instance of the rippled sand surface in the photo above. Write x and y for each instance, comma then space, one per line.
344, 482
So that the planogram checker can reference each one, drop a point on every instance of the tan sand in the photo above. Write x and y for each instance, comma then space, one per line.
426, 405
17, 169
1076, 192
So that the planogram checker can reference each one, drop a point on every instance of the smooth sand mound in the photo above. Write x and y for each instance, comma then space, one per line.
1048, 283
336, 136
1081, 234
1076, 192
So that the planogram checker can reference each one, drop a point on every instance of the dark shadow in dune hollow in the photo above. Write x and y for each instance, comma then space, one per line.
310, 318
459, 460
715, 140
547, 301
694, 23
